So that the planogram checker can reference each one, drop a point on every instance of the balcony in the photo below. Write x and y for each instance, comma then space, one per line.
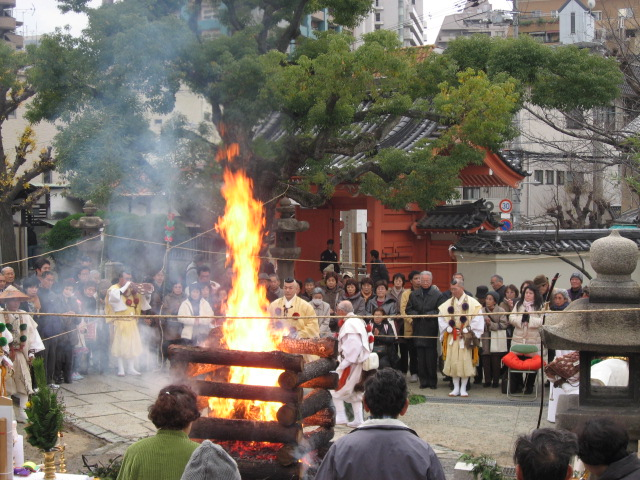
7, 23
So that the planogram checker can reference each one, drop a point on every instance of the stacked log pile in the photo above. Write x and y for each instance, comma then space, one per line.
206, 367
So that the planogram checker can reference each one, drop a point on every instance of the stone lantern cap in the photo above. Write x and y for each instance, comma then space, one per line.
614, 259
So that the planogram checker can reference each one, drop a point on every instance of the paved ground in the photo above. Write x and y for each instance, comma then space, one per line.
115, 410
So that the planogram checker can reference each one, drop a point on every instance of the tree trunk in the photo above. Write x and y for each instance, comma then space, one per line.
7, 235
247, 392
245, 430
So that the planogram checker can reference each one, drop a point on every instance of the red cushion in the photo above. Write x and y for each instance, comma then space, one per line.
511, 360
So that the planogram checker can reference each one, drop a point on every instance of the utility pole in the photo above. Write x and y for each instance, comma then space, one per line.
516, 18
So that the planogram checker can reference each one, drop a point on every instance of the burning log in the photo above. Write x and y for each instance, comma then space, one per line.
245, 430
311, 370
328, 382
196, 369
323, 418
317, 400
247, 392
323, 347
290, 454
272, 470
276, 360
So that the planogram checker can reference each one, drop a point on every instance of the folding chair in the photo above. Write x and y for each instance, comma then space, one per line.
512, 361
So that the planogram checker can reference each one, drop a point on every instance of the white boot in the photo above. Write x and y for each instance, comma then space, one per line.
130, 368
456, 387
358, 415
22, 415
120, 367
463, 387
341, 416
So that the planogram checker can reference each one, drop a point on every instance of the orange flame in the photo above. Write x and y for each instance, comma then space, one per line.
242, 227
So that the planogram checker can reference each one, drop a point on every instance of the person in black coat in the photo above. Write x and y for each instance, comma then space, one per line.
378, 268
424, 301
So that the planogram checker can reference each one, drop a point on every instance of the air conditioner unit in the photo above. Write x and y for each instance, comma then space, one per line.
490, 206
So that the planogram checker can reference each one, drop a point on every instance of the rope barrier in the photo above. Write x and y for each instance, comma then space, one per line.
242, 317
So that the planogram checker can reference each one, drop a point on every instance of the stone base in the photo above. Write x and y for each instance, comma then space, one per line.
570, 416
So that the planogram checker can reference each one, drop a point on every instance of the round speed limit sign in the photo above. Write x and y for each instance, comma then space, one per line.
506, 205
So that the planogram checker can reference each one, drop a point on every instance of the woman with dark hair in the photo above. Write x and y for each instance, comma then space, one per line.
384, 343
526, 328
352, 293
511, 295
171, 328
331, 290
165, 455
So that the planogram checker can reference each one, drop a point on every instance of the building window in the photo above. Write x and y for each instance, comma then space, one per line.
554, 13
575, 119
538, 176
625, 12
377, 27
12, 114
597, 15
560, 177
550, 176
378, 16
536, 13
573, 23
47, 177
470, 193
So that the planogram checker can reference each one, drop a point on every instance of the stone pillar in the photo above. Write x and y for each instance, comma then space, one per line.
90, 225
286, 228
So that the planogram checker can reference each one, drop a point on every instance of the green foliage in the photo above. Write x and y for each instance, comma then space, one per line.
45, 412
62, 233
417, 399
484, 467
108, 471
562, 77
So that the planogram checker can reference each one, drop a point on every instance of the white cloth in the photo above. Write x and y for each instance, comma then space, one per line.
189, 323
354, 348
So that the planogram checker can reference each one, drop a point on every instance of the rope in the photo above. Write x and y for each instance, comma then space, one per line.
242, 317
540, 256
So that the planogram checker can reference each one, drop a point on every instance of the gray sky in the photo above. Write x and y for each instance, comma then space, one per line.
43, 16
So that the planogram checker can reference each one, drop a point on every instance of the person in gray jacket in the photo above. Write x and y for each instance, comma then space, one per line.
323, 311
383, 446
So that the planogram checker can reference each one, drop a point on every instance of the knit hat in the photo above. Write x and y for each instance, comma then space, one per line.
577, 275
347, 275
328, 268
211, 461
495, 295
539, 280
481, 291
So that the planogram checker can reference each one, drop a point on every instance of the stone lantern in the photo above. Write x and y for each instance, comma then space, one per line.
286, 228
90, 225
603, 334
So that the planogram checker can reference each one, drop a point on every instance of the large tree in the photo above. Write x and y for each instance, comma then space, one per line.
320, 93
20, 165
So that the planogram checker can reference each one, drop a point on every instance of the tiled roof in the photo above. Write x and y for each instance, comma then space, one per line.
457, 217
403, 135
535, 242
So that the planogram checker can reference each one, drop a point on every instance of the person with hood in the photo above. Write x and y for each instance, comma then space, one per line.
195, 330
211, 461
322, 310
354, 348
